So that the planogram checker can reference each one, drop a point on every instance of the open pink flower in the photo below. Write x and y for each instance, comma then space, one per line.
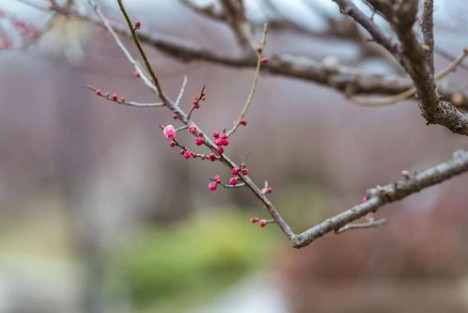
169, 132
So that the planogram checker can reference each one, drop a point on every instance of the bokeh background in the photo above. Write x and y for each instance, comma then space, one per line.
98, 214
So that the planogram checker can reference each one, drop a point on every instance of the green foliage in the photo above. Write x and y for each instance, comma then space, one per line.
194, 259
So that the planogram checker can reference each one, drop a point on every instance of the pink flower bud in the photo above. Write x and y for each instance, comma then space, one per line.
199, 141
114, 97
169, 132
262, 223
220, 150
245, 171
172, 143
218, 142
235, 171
196, 102
98, 92
264, 60
212, 157
212, 186
192, 129
253, 219
137, 25
243, 122
215, 134
217, 179
233, 181
187, 154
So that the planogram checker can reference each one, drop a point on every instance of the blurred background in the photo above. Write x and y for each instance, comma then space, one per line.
97, 214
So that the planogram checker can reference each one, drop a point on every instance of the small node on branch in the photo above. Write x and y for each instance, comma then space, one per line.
267, 190
137, 25
457, 98
114, 97
405, 174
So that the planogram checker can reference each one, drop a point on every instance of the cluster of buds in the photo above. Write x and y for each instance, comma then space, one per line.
220, 140
242, 169
110, 96
170, 132
213, 185
261, 222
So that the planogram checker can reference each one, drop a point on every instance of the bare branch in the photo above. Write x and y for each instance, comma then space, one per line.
379, 196
235, 12
253, 87
123, 101
207, 10
433, 110
428, 32
410, 92
385, 40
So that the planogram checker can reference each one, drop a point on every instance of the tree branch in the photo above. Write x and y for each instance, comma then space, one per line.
385, 40
428, 32
433, 110
381, 195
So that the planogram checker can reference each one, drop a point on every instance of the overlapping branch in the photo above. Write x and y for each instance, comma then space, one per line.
375, 199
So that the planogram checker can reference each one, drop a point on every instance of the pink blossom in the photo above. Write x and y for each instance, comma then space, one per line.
233, 181
169, 132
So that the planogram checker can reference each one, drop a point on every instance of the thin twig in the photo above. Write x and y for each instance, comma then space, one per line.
122, 47
381, 101
125, 102
181, 92
253, 87
369, 224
